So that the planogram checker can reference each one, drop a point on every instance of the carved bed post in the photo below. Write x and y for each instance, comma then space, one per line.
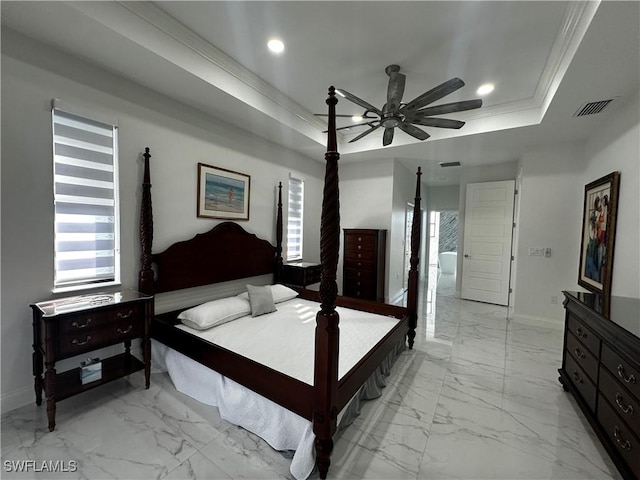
145, 277
325, 410
412, 294
278, 271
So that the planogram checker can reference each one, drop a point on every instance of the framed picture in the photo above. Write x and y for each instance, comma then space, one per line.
223, 193
598, 233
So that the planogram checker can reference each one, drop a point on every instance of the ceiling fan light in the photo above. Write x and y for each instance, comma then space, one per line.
356, 118
275, 45
485, 89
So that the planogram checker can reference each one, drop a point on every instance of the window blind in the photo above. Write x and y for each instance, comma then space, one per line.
85, 197
295, 211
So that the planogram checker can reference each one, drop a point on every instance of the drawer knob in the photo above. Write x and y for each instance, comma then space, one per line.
579, 353
78, 343
624, 376
359, 273
581, 333
628, 409
625, 444
124, 315
576, 377
359, 255
81, 325
125, 331
359, 239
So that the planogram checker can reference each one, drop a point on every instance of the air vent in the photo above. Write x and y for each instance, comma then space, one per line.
592, 108
449, 164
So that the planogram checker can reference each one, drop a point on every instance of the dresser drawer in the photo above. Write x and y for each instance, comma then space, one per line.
361, 255
583, 357
360, 291
78, 323
622, 439
626, 405
359, 265
581, 381
360, 242
586, 336
363, 281
627, 373
107, 334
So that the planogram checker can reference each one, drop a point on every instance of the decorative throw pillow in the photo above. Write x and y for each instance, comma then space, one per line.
215, 313
261, 300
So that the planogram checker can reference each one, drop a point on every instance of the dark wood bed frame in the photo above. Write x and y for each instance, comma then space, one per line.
228, 252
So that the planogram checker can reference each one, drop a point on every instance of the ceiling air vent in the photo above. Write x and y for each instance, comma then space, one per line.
449, 164
592, 108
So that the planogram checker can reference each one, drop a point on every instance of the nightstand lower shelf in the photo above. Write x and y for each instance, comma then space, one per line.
68, 383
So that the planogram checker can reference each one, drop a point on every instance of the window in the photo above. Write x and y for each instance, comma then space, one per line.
85, 176
295, 218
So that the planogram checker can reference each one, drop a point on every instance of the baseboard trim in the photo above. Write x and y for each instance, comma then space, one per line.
539, 321
16, 399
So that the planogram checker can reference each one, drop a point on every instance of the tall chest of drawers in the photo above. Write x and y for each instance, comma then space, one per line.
68, 327
601, 367
364, 263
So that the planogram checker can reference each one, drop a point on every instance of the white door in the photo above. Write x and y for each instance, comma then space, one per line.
488, 228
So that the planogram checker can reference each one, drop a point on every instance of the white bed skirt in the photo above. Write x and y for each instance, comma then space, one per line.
279, 427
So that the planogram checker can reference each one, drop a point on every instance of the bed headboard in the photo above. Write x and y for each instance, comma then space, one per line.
226, 252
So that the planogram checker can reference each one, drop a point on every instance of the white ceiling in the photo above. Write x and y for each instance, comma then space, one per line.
545, 58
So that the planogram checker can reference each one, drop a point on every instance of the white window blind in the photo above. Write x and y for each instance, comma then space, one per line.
86, 201
295, 211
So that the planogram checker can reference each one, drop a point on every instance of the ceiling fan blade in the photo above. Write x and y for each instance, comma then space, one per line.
358, 101
413, 131
434, 94
351, 126
395, 90
448, 108
437, 122
337, 115
387, 138
364, 134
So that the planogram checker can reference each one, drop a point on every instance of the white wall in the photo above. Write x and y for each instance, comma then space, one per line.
179, 138
550, 216
366, 195
404, 190
616, 146
443, 198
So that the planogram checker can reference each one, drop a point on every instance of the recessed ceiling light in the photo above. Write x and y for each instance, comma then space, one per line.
276, 45
485, 89
356, 118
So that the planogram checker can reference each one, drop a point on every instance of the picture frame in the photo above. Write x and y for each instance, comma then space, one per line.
223, 193
599, 214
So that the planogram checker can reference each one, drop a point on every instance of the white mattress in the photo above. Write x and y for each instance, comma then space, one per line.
283, 340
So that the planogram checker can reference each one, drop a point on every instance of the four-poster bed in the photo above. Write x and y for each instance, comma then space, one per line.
228, 252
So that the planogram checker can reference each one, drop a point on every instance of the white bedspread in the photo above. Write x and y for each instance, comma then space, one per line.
269, 339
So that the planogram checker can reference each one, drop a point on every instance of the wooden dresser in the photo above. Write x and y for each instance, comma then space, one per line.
301, 274
601, 367
364, 263
67, 327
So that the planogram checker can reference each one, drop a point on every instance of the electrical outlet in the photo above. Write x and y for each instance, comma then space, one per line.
547, 252
536, 252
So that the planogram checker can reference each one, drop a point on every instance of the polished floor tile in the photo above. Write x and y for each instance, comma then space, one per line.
477, 398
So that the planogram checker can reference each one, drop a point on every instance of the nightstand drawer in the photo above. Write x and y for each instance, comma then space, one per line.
107, 334
80, 322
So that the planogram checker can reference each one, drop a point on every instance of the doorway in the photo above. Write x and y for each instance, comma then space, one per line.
443, 252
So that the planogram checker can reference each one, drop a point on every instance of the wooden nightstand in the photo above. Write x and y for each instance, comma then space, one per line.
301, 274
67, 327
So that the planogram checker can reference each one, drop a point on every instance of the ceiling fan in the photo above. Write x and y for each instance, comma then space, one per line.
406, 116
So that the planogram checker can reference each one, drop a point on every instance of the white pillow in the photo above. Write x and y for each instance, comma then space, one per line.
281, 293
215, 313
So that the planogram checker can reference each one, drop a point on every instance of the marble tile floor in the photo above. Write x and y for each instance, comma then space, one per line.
477, 398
